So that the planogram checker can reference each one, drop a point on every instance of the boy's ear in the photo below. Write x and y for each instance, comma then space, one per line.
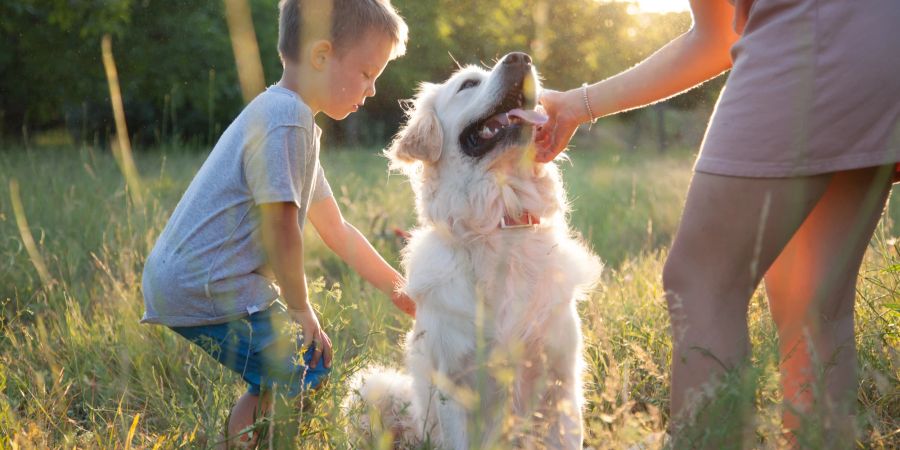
420, 140
319, 53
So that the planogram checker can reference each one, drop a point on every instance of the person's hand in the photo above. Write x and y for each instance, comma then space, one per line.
313, 333
565, 112
402, 301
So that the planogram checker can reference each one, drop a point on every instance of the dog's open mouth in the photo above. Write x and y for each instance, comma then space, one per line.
505, 122
515, 116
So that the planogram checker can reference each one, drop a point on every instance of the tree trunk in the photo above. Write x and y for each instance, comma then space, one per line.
660, 110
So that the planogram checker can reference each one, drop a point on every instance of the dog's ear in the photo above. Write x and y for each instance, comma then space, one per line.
421, 139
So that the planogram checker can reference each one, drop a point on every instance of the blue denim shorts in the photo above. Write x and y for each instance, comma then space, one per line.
263, 348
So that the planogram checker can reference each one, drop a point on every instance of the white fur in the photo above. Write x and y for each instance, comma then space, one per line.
495, 353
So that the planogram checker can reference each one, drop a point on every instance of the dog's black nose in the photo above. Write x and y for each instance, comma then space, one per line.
517, 58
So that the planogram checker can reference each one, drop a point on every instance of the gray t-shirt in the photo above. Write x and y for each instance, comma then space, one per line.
208, 265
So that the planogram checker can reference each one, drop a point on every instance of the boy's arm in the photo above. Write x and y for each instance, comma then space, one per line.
283, 244
352, 247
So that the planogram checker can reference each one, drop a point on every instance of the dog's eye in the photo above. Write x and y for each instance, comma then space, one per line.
468, 84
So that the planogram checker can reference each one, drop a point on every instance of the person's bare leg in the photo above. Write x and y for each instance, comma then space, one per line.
811, 288
731, 230
245, 411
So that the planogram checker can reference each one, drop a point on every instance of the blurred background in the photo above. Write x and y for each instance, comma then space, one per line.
179, 79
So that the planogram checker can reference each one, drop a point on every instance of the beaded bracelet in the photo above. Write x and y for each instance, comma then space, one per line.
587, 103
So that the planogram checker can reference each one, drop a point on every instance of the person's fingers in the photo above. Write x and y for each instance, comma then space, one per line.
544, 136
546, 142
404, 303
544, 147
550, 153
328, 353
547, 97
544, 157
540, 137
309, 326
409, 308
317, 354
308, 337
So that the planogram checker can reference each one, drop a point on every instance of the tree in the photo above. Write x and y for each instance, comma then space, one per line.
179, 78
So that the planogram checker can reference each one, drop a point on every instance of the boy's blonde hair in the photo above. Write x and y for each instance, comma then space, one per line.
343, 22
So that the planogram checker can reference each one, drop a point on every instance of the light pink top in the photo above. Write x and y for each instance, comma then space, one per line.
815, 88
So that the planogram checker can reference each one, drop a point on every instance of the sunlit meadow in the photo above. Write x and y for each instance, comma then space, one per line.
77, 370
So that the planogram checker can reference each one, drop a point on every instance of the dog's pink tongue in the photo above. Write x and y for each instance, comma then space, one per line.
529, 115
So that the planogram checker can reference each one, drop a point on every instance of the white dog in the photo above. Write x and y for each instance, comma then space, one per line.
494, 358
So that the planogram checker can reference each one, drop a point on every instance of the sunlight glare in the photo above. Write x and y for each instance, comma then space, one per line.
656, 6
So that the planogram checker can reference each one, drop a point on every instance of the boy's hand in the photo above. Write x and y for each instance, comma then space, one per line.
403, 302
313, 333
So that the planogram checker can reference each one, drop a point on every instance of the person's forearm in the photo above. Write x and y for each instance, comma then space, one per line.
359, 254
283, 244
352, 247
687, 61
287, 264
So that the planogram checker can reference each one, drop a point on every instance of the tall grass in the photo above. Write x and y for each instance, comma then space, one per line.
77, 370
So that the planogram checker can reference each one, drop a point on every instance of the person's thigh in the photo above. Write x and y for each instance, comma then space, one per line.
230, 344
732, 228
264, 348
817, 271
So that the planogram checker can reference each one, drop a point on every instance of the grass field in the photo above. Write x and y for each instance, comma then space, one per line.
77, 370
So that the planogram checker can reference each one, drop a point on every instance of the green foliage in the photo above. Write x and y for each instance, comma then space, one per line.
179, 79
174, 60
76, 370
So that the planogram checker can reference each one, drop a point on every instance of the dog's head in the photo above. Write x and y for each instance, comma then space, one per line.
467, 147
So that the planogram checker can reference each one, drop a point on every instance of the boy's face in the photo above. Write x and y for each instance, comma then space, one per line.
352, 74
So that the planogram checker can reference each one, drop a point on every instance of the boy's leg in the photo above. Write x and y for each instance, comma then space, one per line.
264, 350
244, 414
730, 232
276, 366
811, 289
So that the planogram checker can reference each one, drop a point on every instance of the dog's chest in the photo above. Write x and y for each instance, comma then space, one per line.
516, 276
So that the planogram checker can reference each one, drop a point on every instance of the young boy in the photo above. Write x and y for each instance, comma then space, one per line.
232, 251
